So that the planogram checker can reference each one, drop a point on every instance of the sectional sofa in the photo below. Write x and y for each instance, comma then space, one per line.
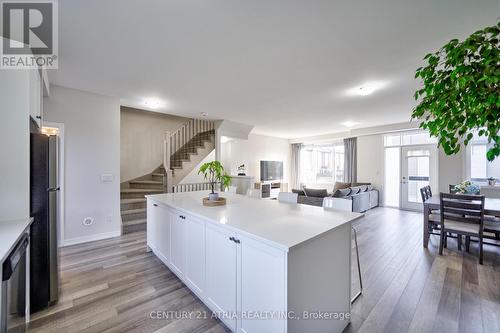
357, 197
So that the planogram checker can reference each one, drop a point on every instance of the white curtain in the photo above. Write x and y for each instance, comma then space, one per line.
350, 160
295, 177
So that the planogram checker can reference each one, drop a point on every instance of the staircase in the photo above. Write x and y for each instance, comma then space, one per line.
189, 145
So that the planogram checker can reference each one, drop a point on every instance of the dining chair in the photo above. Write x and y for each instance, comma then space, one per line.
288, 197
434, 216
328, 204
462, 214
429, 191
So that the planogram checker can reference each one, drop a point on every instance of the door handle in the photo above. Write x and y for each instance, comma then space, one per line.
155, 205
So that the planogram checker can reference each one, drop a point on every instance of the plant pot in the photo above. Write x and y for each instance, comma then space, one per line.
492, 182
213, 196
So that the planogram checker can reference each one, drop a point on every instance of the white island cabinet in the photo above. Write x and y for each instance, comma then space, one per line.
261, 266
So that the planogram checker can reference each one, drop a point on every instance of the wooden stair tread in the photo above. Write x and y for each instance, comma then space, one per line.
151, 182
140, 190
133, 211
134, 200
134, 222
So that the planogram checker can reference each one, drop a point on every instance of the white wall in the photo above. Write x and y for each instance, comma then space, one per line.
92, 148
141, 140
193, 176
370, 164
14, 144
250, 152
451, 169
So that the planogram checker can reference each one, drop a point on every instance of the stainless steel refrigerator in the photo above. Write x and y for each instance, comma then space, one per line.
44, 278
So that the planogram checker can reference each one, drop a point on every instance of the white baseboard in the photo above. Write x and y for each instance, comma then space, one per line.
90, 238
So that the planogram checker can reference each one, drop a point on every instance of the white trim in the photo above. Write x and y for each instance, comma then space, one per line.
90, 238
391, 128
61, 180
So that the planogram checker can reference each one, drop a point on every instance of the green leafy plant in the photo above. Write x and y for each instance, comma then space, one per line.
214, 173
461, 92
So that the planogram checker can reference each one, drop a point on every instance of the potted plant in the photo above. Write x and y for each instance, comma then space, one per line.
214, 173
492, 181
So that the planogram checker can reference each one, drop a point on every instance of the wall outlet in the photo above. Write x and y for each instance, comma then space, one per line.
88, 221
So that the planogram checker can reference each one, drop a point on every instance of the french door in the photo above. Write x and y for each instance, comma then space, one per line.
418, 169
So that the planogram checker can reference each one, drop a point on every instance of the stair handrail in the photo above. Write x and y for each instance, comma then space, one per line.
187, 131
173, 141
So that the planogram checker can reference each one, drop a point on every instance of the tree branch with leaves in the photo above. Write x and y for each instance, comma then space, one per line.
461, 92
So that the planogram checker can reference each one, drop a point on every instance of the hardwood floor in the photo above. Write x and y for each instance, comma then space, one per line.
114, 285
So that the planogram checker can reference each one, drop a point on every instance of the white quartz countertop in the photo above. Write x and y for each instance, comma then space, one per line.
284, 224
10, 232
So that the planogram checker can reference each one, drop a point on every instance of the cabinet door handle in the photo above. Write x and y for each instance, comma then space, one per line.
231, 239
237, 241
155, 205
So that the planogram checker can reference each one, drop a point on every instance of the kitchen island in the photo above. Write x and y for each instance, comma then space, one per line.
259, 265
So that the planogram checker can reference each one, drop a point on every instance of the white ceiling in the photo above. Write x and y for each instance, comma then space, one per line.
283, 66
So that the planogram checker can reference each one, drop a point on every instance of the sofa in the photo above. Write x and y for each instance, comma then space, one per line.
356, 197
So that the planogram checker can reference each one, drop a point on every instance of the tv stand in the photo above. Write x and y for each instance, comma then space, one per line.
270, 190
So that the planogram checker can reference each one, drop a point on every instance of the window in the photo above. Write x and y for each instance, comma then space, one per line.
322, 163
479, 168
417, 137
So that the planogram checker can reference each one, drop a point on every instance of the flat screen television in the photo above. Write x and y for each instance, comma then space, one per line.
271, 170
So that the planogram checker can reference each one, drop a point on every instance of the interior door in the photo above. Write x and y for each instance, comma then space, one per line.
418, 169
221, 273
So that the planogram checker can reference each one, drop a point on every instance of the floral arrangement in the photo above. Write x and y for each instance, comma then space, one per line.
467, 187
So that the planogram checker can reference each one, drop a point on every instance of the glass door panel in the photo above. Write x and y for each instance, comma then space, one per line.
418, 170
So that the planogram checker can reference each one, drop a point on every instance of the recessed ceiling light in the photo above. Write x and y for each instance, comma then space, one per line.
153, 103
367, 88
203, 114
349, 123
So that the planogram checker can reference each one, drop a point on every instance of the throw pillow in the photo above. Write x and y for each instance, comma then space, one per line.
369, 188
355, 190
343, 192
299, 192
318, 193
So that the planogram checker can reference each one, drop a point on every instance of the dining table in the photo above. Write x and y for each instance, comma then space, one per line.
491, 207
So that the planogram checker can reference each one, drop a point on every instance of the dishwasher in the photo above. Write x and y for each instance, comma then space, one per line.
13, 306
